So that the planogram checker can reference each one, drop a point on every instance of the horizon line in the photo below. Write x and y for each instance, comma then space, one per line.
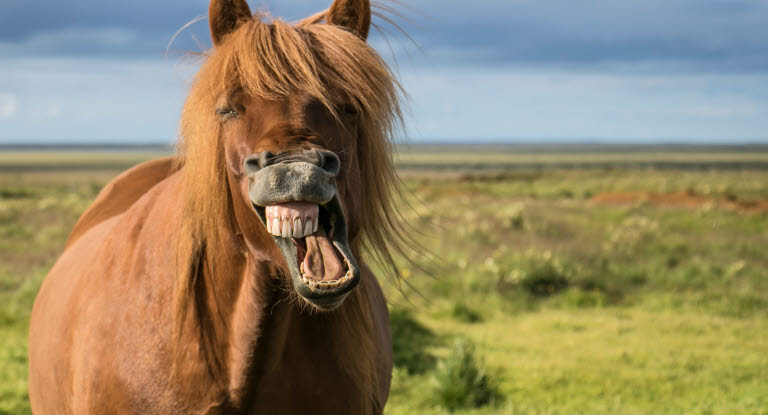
84, 144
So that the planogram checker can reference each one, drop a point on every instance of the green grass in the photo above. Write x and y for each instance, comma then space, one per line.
570, 307
596, 309
608, 361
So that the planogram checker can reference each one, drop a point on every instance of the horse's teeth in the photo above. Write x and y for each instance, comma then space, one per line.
324, 286
276, 227
269, 225
286, 228
315, 228
297, 229
308, 228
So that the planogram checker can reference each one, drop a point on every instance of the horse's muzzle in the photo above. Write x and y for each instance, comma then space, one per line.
282, 189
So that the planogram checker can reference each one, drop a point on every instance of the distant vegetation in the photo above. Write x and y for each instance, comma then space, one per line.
603, 290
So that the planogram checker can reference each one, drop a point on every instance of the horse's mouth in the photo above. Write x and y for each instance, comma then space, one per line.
313, 239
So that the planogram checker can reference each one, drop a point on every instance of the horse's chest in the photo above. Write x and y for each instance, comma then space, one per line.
303, 372
302, 387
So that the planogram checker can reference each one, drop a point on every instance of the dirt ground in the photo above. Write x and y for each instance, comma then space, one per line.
687, 200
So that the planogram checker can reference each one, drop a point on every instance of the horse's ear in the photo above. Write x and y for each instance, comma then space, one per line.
225, 16
354, 15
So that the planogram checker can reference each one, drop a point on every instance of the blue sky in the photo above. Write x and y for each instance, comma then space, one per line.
488, 70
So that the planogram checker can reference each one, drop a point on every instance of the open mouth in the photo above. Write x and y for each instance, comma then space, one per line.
313, 239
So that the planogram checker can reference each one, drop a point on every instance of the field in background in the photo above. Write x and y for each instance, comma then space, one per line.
590, 279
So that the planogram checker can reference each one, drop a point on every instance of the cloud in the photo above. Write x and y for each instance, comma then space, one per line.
98, 100
74, 41
690, 34
53, 111
7, 105
683, 35
493, 69
122, 100
524, 104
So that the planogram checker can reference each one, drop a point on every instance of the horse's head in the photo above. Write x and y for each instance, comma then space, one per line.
301, 114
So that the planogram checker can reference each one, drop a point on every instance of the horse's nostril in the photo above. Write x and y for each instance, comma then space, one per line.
257, 162
265, 159
330, 162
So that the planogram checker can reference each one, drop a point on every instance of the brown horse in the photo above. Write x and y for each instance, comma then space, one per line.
229, 279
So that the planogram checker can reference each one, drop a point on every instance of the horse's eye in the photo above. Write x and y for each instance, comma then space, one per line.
349, 109
226, 112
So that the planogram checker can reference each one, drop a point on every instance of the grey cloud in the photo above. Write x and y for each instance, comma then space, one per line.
77, 41
720, 34
20, 20
690, 34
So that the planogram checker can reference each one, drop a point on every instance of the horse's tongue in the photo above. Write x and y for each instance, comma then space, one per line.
322, 263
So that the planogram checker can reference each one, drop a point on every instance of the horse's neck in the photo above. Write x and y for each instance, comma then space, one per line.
274, 339
255, 297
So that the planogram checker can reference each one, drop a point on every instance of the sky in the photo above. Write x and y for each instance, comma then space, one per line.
487, 70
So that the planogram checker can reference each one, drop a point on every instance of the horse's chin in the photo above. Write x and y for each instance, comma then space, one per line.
324, 284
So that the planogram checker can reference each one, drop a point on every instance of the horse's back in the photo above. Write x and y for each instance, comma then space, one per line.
122, 192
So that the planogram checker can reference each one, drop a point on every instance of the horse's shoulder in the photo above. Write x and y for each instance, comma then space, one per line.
122, 192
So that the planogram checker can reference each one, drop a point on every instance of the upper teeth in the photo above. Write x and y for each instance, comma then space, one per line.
292, 219
291, 228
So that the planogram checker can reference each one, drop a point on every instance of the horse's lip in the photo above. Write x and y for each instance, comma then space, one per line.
322, 298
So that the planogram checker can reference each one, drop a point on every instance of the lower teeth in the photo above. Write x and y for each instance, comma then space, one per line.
313, 283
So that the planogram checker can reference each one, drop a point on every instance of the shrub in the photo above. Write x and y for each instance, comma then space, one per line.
512, 217
544, 279
462, 381
603, 281
463, 313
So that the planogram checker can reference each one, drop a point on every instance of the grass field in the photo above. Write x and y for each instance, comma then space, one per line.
574, 305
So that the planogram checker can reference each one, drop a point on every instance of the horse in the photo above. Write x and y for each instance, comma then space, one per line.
229, 278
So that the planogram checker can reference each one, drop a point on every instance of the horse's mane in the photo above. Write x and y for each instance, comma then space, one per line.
273, 61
